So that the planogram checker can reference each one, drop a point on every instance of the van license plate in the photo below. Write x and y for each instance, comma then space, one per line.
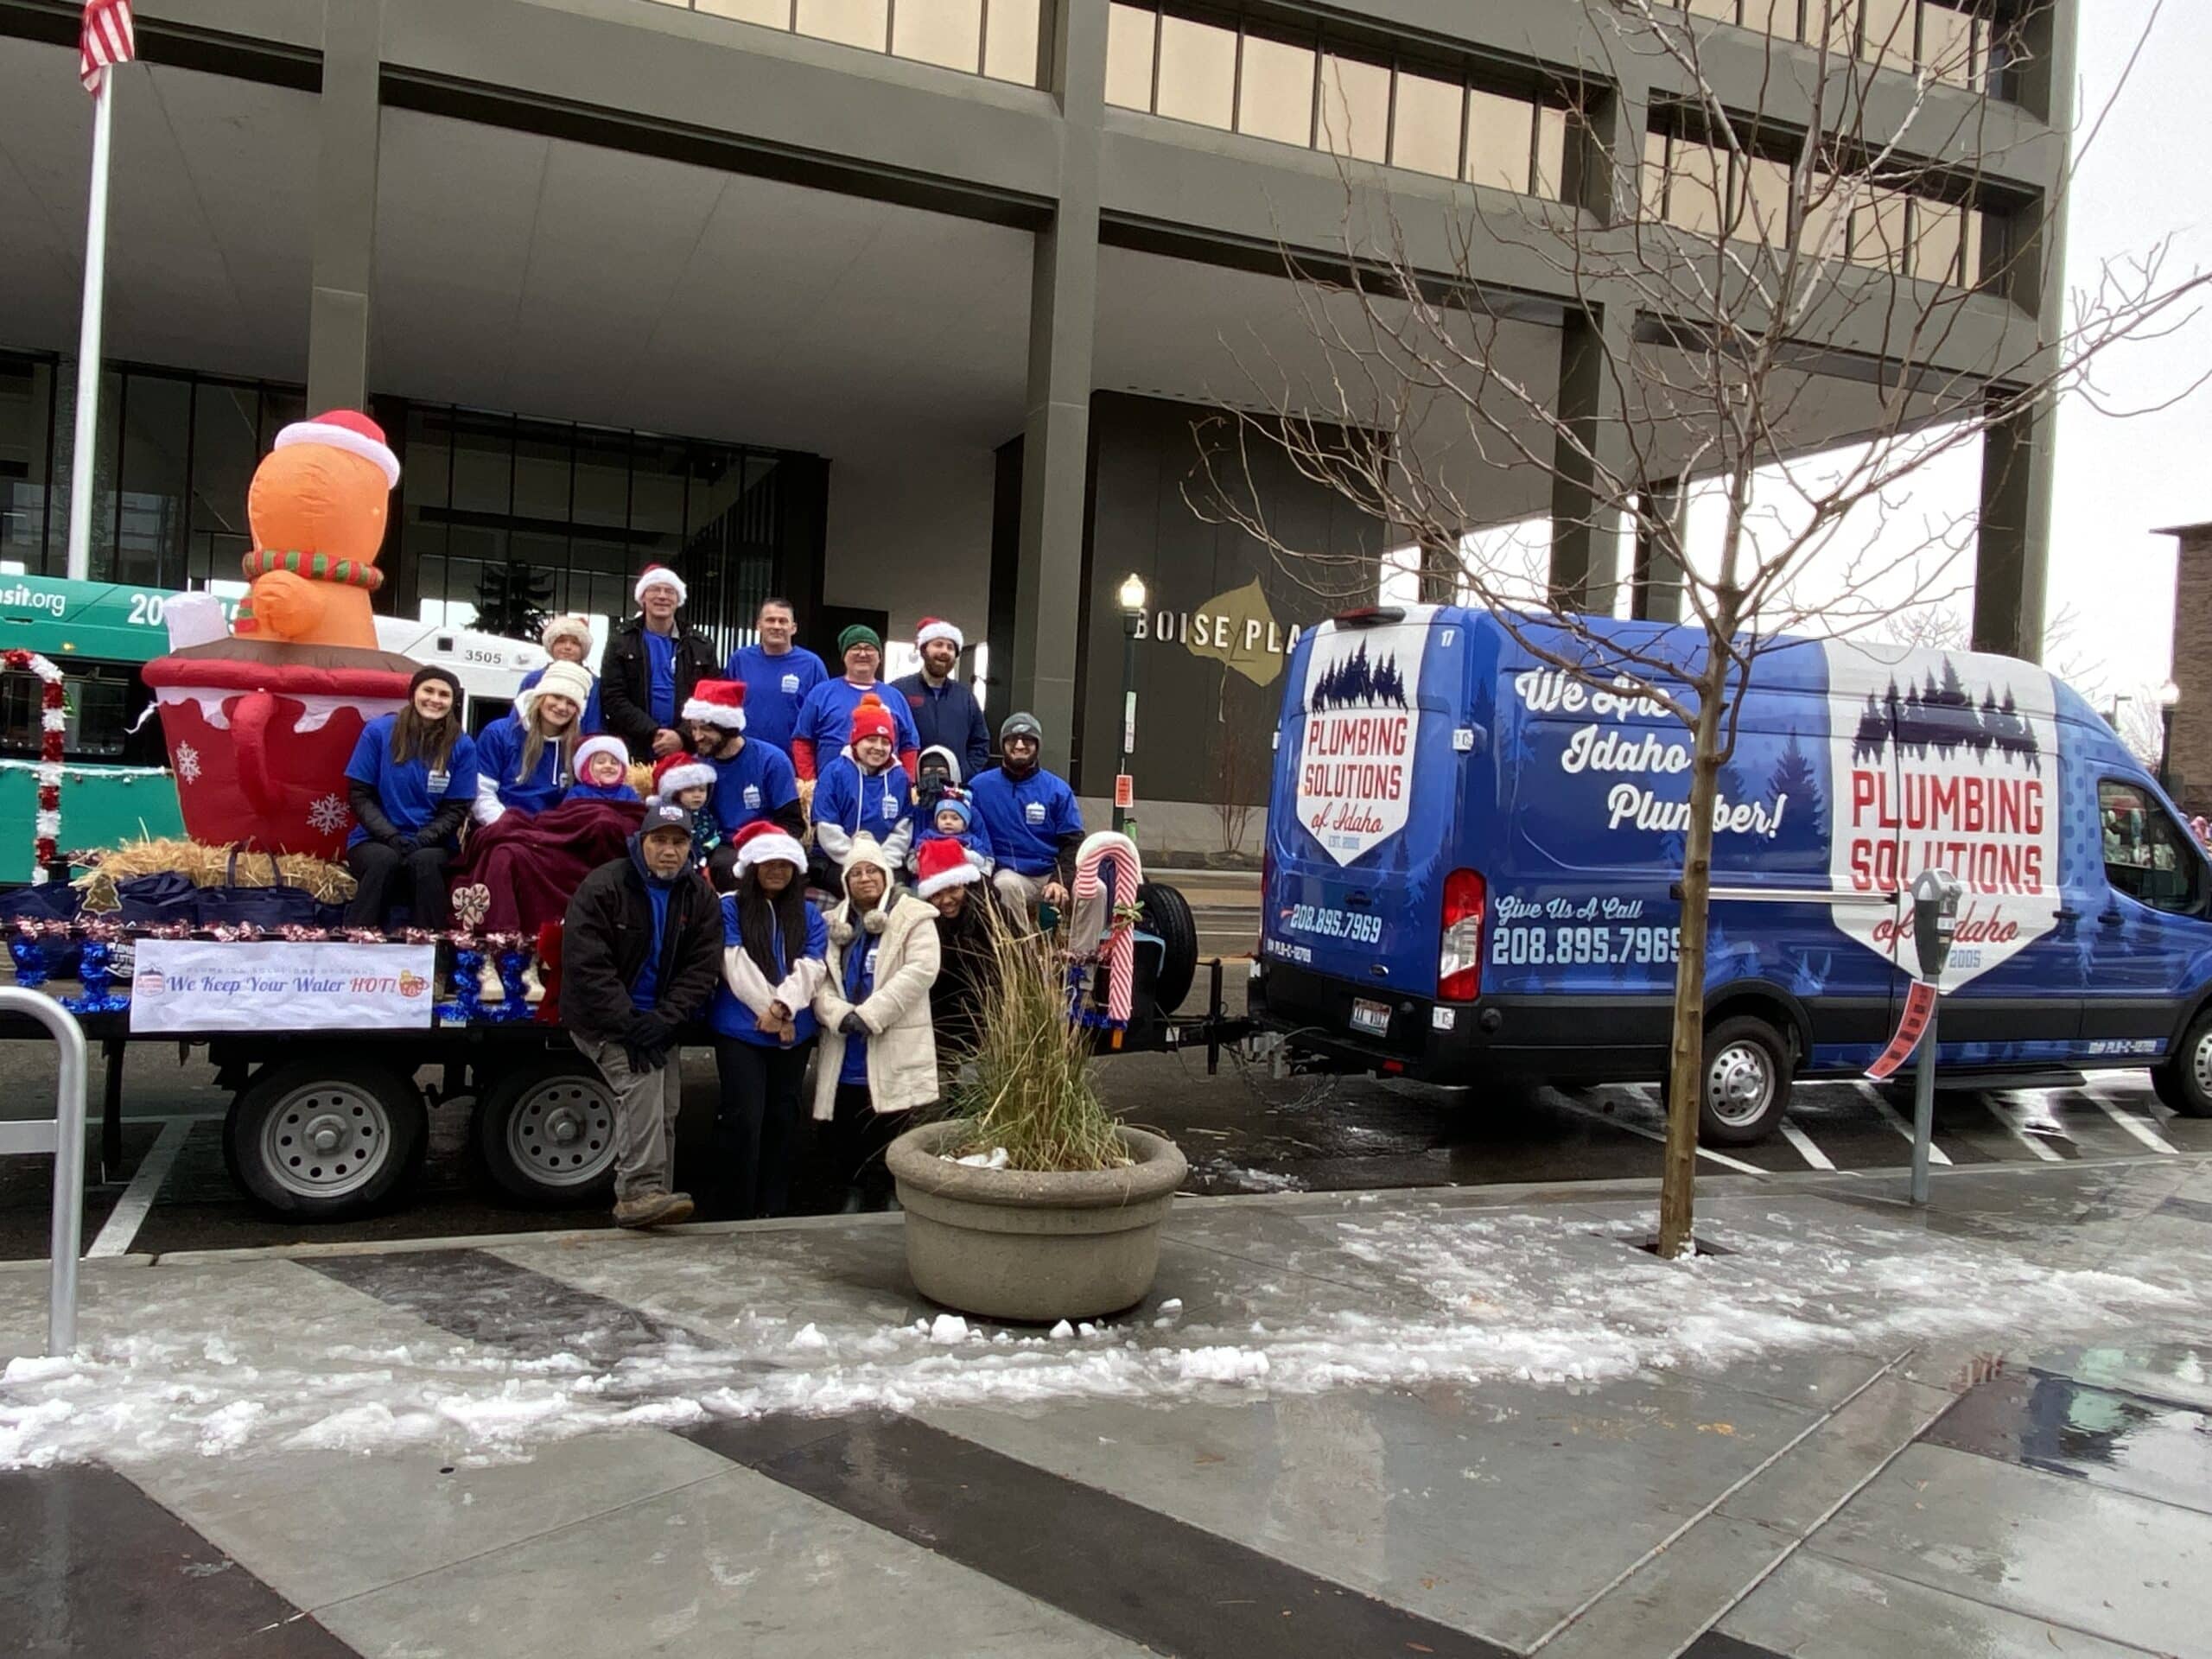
1373, 1017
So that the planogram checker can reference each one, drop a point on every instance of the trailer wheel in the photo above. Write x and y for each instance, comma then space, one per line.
324, 1137
545, 1132
1167, 918
1746, 1078
2185, 1082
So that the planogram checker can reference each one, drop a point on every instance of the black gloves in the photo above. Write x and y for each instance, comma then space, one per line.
852, 1026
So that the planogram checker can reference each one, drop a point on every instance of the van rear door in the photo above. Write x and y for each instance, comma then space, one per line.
1367, 793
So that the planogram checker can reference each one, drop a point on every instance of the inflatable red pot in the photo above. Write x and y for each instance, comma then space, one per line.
258, 737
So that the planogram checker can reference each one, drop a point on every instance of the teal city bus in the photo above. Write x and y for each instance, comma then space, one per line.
114, 781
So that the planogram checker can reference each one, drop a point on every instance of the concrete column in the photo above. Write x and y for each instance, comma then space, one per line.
346, 205
1056, 433
1586, 529
1586, 518
2018, 457
1656, 592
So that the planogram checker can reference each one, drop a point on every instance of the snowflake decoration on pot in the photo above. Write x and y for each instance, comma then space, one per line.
187, 763
327, 815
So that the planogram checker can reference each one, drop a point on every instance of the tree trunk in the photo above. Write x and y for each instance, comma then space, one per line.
1686, 1069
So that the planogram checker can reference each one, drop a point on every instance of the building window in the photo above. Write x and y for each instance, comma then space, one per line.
1695, 187
1951, 39
1267, 82
487, 501
998, 38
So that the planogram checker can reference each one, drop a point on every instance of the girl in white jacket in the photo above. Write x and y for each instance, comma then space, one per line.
879, 1050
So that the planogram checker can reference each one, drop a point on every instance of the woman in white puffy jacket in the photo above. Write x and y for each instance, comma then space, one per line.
878, 1057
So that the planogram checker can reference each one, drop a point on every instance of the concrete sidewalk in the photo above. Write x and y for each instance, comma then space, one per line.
1475, 1422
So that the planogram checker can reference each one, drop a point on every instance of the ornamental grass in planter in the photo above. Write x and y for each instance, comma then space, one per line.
1069, 1227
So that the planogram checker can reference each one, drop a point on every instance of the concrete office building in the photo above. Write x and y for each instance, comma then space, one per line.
896, 306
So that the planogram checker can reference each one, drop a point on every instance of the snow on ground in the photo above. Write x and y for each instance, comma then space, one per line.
1450, 1297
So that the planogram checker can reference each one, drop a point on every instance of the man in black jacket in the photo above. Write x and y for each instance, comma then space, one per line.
946, 713
650, 666
641, 953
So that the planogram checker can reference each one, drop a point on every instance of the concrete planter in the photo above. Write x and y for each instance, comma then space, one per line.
1014, 1245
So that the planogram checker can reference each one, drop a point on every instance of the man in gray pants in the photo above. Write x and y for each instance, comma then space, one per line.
641, 954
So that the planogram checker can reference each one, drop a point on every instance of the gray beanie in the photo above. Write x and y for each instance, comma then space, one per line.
1022, 725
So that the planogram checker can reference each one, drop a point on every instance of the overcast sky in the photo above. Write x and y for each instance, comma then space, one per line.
2143, 177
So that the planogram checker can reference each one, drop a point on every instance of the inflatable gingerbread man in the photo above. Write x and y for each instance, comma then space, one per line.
260, 726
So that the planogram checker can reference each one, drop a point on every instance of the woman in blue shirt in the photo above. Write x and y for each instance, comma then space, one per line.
568, 640
525, 760
773, 944
410, 784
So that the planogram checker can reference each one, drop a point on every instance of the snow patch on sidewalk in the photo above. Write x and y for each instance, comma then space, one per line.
1458, 1299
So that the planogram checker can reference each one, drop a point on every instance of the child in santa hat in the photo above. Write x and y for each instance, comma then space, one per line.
688, 781
952, 818
864, 788
602, 771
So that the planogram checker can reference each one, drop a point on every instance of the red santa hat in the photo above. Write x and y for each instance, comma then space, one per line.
681, 771
717, 703
605, 743
936, 627
347, 429
872, 719
658, 575
761, 840
942, 864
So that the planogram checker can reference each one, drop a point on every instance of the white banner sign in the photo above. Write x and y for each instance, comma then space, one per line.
274, 986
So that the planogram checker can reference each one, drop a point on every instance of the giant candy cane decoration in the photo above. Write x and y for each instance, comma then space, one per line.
53, 721
1119, 951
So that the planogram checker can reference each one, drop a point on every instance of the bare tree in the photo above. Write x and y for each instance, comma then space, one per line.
1752, 249
1241, 770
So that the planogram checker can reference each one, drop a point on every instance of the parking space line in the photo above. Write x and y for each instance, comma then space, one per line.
130, 1211
2002, 1111
1896, 1120
1654, 1135
2143, 1132
1811, 1153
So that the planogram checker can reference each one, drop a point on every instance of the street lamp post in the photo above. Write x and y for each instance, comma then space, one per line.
2168, 696
1132, 595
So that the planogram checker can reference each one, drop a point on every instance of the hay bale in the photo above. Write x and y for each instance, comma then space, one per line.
207, 867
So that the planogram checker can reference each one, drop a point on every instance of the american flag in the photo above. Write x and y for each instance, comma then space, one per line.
106, 39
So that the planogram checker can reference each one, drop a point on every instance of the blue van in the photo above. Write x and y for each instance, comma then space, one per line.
1471, 858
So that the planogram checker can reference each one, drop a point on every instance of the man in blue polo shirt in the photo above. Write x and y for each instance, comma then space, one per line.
752, 781
778, 675
825, 725
1034, 823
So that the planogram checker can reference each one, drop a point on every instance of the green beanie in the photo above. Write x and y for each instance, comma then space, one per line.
859, 635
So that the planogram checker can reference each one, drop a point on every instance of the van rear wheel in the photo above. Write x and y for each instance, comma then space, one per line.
2185, 1082
1746, 1082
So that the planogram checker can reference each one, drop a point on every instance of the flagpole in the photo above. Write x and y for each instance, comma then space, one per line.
88, 338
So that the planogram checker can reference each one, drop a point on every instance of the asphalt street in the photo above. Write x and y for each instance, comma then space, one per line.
1243, 1129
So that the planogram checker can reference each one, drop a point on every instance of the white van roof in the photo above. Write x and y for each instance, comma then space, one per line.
486, 666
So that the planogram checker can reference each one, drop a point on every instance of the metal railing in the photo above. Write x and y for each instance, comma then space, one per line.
63, 1134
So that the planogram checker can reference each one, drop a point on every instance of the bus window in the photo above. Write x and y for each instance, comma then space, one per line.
101, 700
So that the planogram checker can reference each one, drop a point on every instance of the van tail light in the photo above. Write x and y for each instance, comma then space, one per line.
1266, 890
1459, 959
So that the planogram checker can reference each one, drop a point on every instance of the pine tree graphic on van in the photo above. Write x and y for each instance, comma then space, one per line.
1352, 684
1942, 720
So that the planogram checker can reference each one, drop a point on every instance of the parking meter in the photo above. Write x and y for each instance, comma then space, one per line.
1935, 918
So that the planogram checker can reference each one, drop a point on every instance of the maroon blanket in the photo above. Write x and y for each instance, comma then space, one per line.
533, 864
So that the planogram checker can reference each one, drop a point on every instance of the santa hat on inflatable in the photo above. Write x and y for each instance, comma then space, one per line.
659, 576
717, 703
936, 627
761, 840
347, 429
942, 864
681, 771
872, 719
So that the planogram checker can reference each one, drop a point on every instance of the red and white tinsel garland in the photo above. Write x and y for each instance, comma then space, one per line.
54, 723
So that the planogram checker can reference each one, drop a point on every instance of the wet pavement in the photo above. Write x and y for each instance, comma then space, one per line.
1472, 1421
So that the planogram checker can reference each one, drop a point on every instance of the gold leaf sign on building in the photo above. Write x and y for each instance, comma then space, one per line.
1236, 628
